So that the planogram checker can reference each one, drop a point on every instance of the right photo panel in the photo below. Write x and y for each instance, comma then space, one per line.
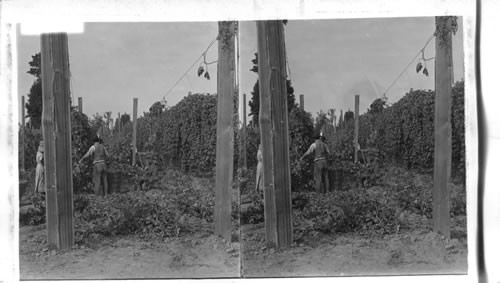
353, 147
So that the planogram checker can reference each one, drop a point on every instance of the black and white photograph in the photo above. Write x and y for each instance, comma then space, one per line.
372, 181
224, 141
118, 152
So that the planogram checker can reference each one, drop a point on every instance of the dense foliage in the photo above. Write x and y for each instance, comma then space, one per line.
180, 205
34, 103
301, 129
187, 134
381, 209
32, 138
81, 141
404, 131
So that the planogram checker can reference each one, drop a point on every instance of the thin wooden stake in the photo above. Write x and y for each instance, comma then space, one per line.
244, 136
107, 124
442, 139
356, 127
57, 136
273, 120
80, 105
134, 132
226, 82
119, 123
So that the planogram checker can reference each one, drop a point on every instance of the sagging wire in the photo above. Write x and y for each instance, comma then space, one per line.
203, 55
420, 53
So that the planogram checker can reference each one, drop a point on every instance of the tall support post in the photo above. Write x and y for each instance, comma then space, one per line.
356, 127
301, 102
111, 127
56, 127
226, 84
23, 125
442, 130
80, 105
334, 122
107, 124
341, 120
273, 118
134, 132
119, 123
244, 138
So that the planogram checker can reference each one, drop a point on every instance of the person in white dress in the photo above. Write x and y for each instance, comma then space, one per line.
40, 170
259, 182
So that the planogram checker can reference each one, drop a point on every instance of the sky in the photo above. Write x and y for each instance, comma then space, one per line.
330, 61
111, 63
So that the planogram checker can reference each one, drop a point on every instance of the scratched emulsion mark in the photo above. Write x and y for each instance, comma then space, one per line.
11, 145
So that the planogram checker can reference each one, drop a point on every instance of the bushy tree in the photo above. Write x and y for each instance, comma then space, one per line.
254, 102
125, 118
34, 103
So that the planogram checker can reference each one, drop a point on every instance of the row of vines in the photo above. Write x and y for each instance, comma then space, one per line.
404, 132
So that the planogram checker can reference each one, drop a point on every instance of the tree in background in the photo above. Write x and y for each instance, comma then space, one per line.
320, 120
34, 104
349, 115
254, 102
125, 118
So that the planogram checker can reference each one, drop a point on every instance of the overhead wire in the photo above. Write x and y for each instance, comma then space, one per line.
190, 67
420, 51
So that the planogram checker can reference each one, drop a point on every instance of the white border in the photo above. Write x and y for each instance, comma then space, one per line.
68, 15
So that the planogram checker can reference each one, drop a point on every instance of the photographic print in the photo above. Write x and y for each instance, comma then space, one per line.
118, 149
355, 147
316, 140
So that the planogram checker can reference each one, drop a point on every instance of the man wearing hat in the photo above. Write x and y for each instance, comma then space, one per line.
40, 170
99, 154
321, 153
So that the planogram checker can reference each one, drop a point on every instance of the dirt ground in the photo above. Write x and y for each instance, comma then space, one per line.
418, 251
195, 256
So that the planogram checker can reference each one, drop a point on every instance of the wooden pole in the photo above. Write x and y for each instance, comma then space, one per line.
119, 123
226, 82
80, 105
334, 124
244, 137
107, 123
356, 127
23, 133
265, 126
111, 126
442, 138
273, 120
134, 132
341, 120
56, 128
302, 102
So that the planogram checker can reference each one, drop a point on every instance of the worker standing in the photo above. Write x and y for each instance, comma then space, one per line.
99, 154
321, 153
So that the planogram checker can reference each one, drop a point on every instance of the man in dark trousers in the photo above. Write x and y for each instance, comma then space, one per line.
99, 154
321, 153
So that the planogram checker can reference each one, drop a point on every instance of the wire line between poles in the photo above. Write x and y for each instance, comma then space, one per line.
194, 63
407, 66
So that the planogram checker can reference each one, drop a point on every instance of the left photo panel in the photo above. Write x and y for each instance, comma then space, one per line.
129, 152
